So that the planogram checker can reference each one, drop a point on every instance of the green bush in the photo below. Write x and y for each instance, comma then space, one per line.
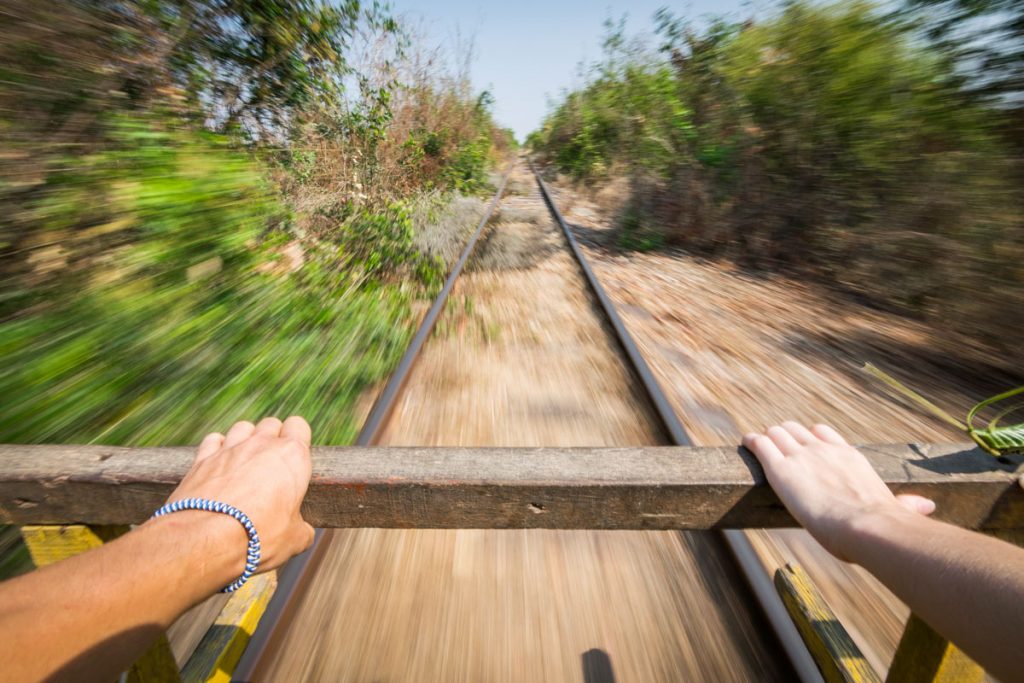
182, 322
829, 139
466, 171
630, 114
160, 280
379, 245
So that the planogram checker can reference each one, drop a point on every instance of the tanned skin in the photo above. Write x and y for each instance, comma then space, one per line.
89, 617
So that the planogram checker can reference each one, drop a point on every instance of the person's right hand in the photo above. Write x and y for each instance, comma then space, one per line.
827, 484
263, 470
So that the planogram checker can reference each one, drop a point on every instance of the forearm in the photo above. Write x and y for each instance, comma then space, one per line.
968, 587
88, 617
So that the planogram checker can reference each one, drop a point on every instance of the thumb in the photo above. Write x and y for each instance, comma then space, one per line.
918, 504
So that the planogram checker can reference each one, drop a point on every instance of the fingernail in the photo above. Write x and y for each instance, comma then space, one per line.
926, 506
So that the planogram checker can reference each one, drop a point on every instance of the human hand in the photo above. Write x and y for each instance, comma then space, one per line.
264, 471
827, 484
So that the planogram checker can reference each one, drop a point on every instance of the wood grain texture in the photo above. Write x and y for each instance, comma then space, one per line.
218, 653
838, 657
503, 488
51, 544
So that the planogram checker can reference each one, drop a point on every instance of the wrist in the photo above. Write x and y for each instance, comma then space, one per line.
209, 547
872, 526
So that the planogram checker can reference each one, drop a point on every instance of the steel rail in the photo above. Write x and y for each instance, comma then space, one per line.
294, 578
739, 546
674, 429
385, 403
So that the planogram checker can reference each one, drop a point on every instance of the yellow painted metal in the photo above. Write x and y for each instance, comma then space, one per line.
837, 656
923, 656
218, 653
50, 544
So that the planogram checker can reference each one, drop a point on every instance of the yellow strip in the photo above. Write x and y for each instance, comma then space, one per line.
835, 653
218, 653
50, 544
926, 657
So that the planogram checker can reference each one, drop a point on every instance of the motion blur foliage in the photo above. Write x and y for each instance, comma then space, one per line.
985, 38
832, 140
185, 323
208, 215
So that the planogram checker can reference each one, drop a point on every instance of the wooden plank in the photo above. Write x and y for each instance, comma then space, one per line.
50, 544
923, 656
575, 488
837, 656
218, 653
156, 665
188, 630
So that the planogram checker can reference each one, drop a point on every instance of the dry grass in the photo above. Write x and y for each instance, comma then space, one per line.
443, 227
340, 163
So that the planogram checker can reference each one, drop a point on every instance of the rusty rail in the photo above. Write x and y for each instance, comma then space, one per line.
738, 546
295, 576
921, 649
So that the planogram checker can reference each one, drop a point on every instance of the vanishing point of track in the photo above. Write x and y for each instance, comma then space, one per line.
294, 579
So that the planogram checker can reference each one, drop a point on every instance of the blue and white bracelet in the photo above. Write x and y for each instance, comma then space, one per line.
252, 558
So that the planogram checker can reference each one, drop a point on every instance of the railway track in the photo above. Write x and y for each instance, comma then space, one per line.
742, 551
294, 580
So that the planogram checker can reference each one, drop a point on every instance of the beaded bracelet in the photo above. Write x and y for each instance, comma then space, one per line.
252, 559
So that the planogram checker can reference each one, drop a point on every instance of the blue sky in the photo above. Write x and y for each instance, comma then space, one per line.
527, 50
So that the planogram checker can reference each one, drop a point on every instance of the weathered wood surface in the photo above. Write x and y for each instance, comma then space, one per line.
218, 653
924, 656
50, 544
575, 488
838, 657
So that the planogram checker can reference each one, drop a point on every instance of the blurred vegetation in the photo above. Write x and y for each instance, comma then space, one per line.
838, 140
210, 210
985, 39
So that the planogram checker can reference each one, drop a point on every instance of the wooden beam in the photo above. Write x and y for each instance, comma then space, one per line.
50, 544
217, 655
923, 656
560, 488
837, 656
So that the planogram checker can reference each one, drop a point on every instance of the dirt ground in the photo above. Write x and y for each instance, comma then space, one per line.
737, 352
522, 359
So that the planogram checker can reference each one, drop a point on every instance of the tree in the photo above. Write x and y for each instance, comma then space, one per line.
986, 37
